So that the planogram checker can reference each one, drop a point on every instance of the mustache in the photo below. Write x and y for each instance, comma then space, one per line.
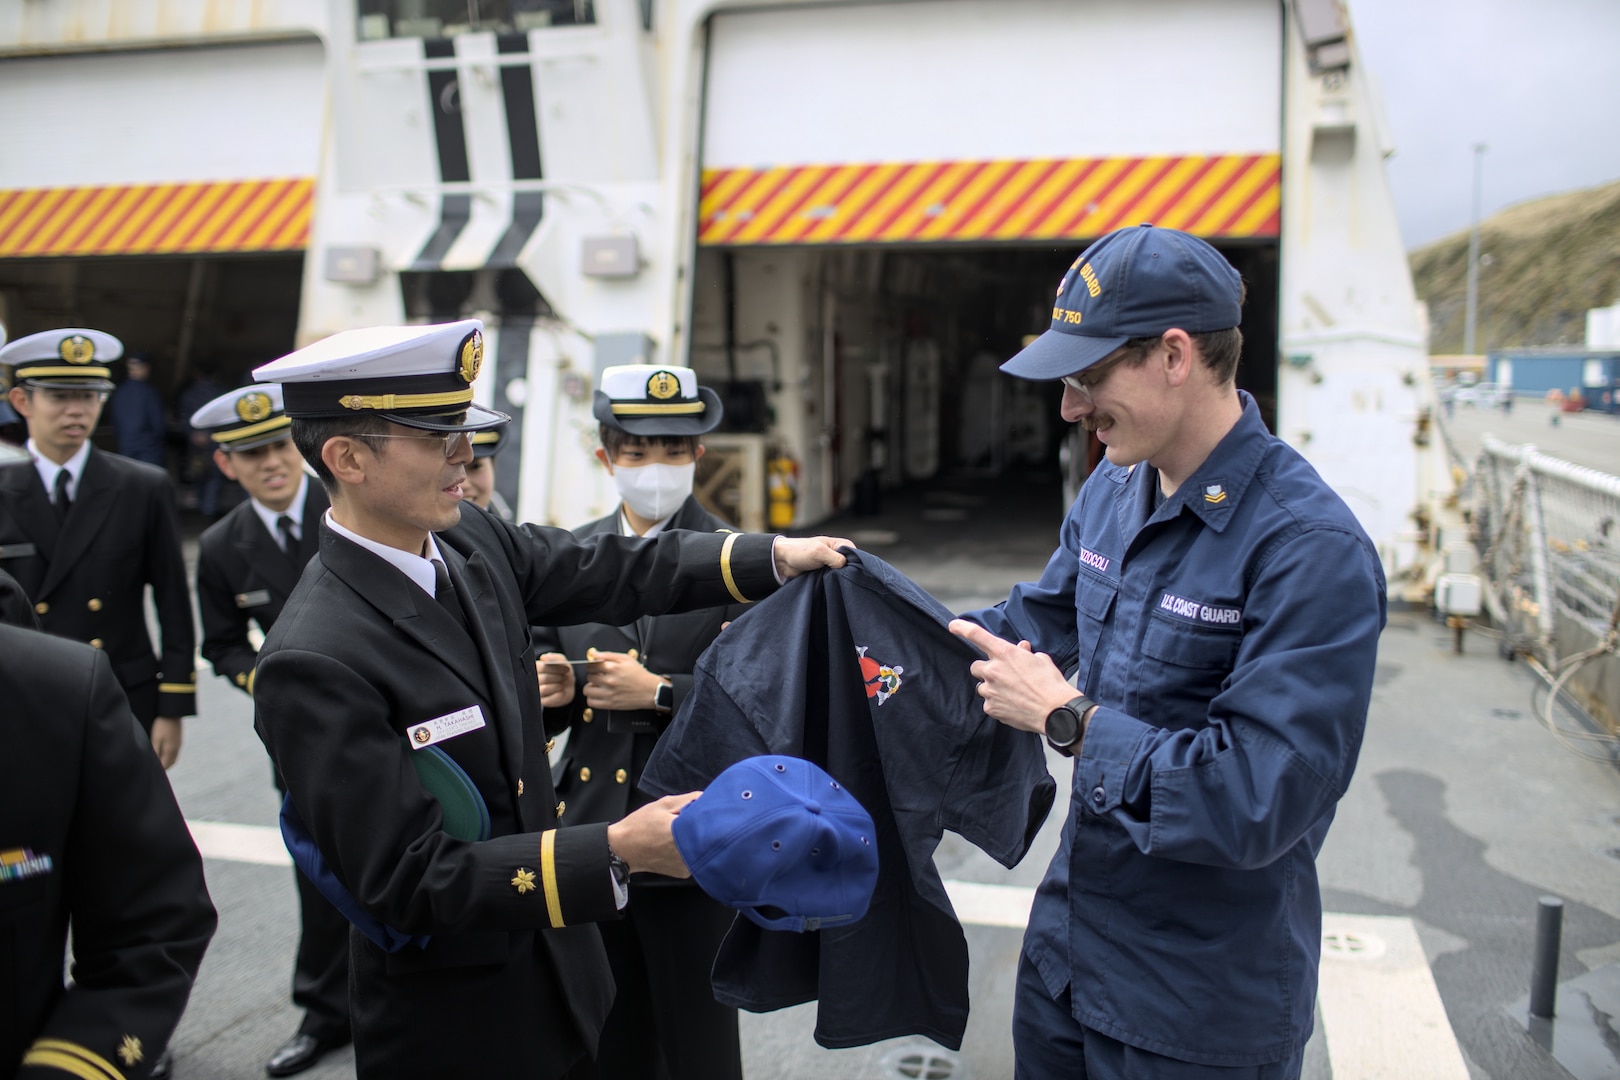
1096, 421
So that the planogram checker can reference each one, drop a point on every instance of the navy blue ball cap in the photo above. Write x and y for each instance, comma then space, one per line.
1133, 283
781, 841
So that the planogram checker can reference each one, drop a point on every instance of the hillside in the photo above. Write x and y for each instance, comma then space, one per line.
1542, 264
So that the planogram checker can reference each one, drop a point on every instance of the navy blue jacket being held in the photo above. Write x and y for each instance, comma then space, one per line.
1229, 637
854, 670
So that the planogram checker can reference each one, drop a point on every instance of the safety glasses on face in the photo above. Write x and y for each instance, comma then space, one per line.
449, 441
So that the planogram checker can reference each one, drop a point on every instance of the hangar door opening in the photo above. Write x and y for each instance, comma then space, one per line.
173, 219
892, 191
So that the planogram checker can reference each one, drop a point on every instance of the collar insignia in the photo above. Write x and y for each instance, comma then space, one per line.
1214, 494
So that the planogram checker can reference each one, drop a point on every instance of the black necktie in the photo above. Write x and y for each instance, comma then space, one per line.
61, 497
445, 593
289, 538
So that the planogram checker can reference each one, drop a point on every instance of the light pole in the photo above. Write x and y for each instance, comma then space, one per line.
1471, 311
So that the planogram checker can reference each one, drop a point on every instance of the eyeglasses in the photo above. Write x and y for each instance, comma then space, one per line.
1087, 381
449, 440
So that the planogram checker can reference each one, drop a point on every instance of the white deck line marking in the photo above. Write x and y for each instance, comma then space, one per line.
990, 905
240, 843
1381, 1011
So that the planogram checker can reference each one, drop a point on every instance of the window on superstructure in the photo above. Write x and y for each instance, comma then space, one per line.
380, 19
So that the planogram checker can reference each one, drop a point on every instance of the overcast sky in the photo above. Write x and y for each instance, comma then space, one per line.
1537, 81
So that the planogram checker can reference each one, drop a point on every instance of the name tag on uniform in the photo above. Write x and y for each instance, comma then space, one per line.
17, 551
445, 727
256, 598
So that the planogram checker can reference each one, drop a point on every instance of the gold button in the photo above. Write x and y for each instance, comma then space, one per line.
632, 654
41, 608
95, 643
560, 808
241, 679
588, 715
551, 744
585, 773
520, 786
621, 776
94, 604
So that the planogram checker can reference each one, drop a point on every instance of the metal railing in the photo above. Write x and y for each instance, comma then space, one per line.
1549, 538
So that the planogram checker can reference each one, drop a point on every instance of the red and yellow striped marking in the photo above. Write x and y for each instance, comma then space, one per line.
1045, 199
157, 219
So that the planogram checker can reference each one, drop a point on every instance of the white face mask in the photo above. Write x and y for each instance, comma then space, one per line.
654, 492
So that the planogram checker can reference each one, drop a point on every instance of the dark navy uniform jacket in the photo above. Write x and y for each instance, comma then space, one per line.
854, 670
1229, 638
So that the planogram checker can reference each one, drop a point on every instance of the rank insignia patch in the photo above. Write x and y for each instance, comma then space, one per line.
882, 681
1214, 493
524, 881
129, 1051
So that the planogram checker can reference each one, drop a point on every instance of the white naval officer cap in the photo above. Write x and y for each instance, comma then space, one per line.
655, 399
73, 358
246, 418
419, 376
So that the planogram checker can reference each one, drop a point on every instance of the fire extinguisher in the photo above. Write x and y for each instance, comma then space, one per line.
782, 490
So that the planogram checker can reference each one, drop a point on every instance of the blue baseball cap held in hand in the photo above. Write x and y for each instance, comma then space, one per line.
1133, 283
781, 841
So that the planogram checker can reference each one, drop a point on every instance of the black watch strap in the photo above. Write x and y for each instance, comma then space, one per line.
621, 870
1077, 707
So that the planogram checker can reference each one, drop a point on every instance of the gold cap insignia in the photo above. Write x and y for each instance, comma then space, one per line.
254, 407
663, 385
524, 881
421, 734
77, 349
472, 355
129, 1051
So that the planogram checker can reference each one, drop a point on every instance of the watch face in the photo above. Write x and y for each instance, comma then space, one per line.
1062, 726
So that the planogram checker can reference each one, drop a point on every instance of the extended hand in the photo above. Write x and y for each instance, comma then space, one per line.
645, 839
1019, 686
616, 680
556, 678
166, 740
796, 555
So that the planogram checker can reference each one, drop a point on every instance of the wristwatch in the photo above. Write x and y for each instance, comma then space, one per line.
664, 697
620, 868
1064, 724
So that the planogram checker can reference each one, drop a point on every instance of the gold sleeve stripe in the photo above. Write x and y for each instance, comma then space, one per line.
70, 1058
177, 688
548, 876
251, 676
725, 568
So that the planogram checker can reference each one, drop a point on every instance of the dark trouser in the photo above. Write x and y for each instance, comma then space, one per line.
665, 1021
320, 983
1049, 1044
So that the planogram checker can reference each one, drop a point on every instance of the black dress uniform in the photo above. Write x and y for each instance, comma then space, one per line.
243, 577
89, 831
663, 950
87, 573
514, 981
